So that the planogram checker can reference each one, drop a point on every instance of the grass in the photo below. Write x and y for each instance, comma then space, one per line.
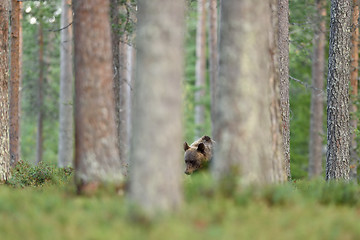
301, 210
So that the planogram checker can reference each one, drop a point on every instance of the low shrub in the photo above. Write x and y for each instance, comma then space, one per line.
25, 174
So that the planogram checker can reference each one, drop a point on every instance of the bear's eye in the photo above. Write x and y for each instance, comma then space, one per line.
192, 162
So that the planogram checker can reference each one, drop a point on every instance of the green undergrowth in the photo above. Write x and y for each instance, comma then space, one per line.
25, 174
50, 209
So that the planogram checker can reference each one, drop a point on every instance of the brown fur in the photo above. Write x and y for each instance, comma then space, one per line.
198, 154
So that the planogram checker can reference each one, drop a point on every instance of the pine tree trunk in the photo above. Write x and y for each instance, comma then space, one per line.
155, 156
39, 135
119, 49
115, 44
200, 68
354, 159
317, 98
242, 117
277, 171
213, 53
4, 97
96, 153
20, 74
14, 82
123, 104
338, 133
283, 13
66, 121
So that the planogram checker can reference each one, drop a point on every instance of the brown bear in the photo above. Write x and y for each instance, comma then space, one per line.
198, 154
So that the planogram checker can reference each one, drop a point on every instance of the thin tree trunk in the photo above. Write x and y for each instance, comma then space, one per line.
155, 157
338, 133
277, 171
123, 104
39, 135
131, 79
4, 97
115, 43
20, 75
120, 81
200, 67
317, 98
354, 160
96, 153
283, 13
14, 82
66, 121
213, 52
242, 117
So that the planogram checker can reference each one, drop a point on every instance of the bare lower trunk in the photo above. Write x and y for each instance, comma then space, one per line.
338, 133
123, 105
96, 153
66, 125
277, 172
317, 97
242, 118
354, 159
39, 135
213, 52
283, 13
4, 97
14, 82
115, 44
200, 68
155, 156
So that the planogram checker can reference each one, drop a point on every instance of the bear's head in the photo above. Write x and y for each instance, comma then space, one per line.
194, 157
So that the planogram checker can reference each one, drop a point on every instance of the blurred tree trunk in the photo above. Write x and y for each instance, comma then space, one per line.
155, 156
213, 52
66, 121
354, 159
4, 96
96, 153
40, 103
14, 82
317, 97
277, 171
20, 74
119, 49
242, 116
338, 133
115, 44
200, 68
124, 98
283, 45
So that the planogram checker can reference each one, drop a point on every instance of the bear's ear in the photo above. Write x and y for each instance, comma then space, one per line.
186, 146
206, 138
201, 148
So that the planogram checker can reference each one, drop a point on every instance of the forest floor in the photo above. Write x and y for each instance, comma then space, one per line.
40, 203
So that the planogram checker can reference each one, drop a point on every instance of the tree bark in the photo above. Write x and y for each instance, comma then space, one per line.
66, 121
40, 100
155, 156
317, 98
242, 116
354, 160
200, 68
96, 153
115, 43
277, 172
123, 104
213, 52
4, 97
14, 82
283, 14
338, 133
